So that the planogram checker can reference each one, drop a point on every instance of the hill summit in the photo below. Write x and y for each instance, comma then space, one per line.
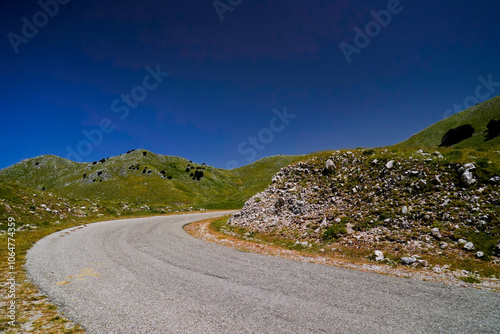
142, 178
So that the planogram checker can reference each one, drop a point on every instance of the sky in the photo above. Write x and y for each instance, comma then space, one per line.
228, 82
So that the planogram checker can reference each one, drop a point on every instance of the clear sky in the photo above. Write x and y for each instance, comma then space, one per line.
246, 78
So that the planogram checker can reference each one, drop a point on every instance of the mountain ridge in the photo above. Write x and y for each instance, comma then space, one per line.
145, 177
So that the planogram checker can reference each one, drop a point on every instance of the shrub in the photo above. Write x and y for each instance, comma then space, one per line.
482, 162
334, 231
368, 152
367, 224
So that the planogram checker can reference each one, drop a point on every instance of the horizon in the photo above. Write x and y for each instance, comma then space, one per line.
230, 83
166, 155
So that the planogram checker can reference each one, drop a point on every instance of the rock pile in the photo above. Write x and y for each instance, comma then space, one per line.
418, 201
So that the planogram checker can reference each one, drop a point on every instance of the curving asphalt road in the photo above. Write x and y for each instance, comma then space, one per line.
149, 276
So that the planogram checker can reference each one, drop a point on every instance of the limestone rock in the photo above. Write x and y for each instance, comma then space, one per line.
438, 155
379, 256
469, 246
468, 178
408, 260
495, 179
330, 166
435, 232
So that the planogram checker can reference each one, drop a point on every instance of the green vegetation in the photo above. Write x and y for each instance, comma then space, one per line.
470, 279
335, 231
46, 194
153, 180
478, 116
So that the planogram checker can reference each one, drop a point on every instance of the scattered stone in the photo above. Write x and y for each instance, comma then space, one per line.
466, 167
469, 246
379, 256
438, 155
462, 241
468, 178
495, 179
479, 254
408, 260
366, 203
303, 244
423, 263
435, 232
330, 166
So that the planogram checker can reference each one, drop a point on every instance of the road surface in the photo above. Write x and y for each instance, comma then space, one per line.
148, 275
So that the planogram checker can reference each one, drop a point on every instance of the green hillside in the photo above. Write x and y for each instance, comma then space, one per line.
478, 117
141, 177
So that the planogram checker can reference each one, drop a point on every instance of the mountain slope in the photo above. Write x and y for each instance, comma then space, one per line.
478, 117
400, 202
145, 178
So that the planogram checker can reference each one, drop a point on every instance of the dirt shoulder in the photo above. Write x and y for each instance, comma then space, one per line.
204, 231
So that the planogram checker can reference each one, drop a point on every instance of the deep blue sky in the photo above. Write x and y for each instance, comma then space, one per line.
226, 77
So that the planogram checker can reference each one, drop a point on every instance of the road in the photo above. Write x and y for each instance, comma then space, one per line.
148, 275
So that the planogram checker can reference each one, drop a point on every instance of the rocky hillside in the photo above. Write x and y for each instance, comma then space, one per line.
142, 178
422, 202
33, 208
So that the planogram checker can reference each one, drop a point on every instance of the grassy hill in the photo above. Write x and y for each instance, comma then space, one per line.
478, 117
422, 200
140, 178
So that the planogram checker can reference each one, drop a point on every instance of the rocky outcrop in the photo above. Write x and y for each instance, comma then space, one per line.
418, 201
